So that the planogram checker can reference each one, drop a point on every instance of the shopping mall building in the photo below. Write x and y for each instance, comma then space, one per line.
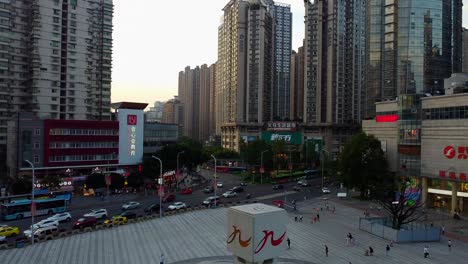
426, 141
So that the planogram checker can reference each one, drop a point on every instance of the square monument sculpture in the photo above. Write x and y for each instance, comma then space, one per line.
256, 232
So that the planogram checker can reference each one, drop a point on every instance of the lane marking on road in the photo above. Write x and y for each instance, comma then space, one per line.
266, 197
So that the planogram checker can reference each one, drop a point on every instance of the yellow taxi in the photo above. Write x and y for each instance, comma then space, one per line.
9, 231
116, 220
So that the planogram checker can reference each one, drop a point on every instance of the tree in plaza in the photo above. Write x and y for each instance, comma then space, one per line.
117, 181
398, 199
51, 181
251, 151
96, 181
21, 186
278, 147
362, 164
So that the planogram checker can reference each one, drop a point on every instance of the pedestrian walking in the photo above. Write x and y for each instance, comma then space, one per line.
391, 243
295, 218
347, 240
371, 251
333, 209
315, 219
326, 205
387, 249
443, 230
289, 243
426, 251
161, 259
326, 250
449, 244
300, 218
305, 197
318, 217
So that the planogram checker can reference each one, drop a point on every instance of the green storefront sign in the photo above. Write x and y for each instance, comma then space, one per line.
294, 138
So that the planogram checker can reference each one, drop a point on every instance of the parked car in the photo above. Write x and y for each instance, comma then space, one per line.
168, 198
2, 239
41, 232
297, 188
177, 206
98, 214
208, 190
45, 223
229, 194
130, 205
305, 183
243, 184
116, 220
211, 200
186, 191
87, 221
237, 189
61, 217
219, 185
325, 190
9, 231
152, 208
278, 186
129, 214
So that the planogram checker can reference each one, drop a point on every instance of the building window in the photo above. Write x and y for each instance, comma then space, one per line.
36, 145
37, 131
36, 159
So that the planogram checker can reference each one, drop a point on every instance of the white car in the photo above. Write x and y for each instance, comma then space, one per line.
219, 184
177, 206
2, 239
62, 217
99, 214
229, 194
130, 205
325, 190
46, 223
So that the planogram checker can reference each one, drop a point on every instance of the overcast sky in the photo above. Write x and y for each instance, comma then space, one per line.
155, 39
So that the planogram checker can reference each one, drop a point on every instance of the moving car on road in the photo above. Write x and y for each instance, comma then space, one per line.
278, 186
2, 239
208, 190
129, 214
45, 223
219, 184
87, 221
325, 190
243, 184
62, 217
177, 206
152, 208
186, 191
99, 214
229, 194
9, 231
168, 198
130, 205
116, 220
41, 232
211, 200
237, 189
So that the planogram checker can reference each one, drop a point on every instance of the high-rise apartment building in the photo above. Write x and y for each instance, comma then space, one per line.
204, 105
212, 111
155, 112
297, 85
334, 61
413, 46
189, 94
282, 18
56, 60
465, 50
244, 67
172, 112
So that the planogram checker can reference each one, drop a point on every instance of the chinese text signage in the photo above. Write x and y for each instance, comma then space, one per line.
289, 137
130, 136
281, 126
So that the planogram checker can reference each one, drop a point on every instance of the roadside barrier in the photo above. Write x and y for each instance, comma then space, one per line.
88, 229
49, 237
4, 246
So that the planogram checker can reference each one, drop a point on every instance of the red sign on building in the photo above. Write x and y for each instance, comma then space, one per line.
450, 152
452, 175
131, 120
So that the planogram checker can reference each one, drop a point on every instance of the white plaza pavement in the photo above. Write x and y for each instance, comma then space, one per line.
199, 237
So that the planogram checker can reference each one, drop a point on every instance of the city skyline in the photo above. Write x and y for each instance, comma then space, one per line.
157, 78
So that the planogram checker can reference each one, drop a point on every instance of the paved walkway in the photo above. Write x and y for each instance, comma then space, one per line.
199, 237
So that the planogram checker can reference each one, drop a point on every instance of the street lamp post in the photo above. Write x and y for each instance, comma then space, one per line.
216, 183
32, 201
323, 161
160, 185
177, 172
261, 164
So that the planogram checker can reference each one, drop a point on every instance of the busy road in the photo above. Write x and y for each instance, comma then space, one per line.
80, 206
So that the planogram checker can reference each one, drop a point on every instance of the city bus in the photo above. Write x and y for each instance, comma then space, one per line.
19, 209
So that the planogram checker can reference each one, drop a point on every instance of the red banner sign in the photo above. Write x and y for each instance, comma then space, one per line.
452, 175
450, 152
386, 118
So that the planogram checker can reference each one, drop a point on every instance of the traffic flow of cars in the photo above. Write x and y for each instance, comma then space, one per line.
130, 205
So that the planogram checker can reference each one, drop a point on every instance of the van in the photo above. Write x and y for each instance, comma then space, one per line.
43, 232
211, 200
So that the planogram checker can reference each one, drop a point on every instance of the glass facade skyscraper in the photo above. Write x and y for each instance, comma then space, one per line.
413, 46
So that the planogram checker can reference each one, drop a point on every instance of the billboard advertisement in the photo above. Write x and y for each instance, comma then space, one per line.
131, 123
294, 138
